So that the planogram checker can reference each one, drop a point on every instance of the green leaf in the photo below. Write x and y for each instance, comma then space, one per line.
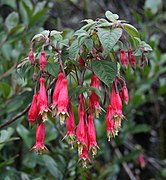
145, 46
140, 128
5, 88
38, 37
52, 33
105, 70
74, 49
25, 135
11, 21
131, 30
52, 166
88, 43
5, 135
109, 38
110, 16
53, 68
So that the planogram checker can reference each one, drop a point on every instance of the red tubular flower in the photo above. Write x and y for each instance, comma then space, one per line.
81, 62
123, 58
63, 101
116, 102
33, 111
40, 135
94, 99
42, 100
31, 56
141, 160
56, 93
70, 124
132, 58
42, 60
125, 94
84, 156
110, 123
114, 114
92, 135
80, 133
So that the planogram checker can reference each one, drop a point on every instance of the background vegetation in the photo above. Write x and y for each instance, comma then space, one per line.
144, 132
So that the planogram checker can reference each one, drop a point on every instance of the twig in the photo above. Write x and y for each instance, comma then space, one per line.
124, 164
7, 72
15, 117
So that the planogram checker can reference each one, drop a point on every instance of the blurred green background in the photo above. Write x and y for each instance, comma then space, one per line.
144, 130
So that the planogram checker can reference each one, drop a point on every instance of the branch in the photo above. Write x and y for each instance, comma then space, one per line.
124, 164
15, 117
7, 72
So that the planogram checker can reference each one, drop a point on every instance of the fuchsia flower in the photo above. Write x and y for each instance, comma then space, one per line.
31, 56
33, 112
132, 58
70, 124
141, 160
63, 101
123, 58
42, 60
110, 123
57, 89
40, 135
94, 99
84, 156
42, 101
80, 133
114, 114
92, 135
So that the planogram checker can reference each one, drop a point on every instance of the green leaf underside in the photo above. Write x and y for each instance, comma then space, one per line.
109, 38
131, 30
74, 49
105, 70
53, 68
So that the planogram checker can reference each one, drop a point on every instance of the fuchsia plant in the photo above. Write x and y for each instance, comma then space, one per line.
101, 49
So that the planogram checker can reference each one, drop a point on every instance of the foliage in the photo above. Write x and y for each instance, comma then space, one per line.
19, 25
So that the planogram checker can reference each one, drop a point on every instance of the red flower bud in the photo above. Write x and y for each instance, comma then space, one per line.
81, 62
33, 112
123, 58
132, 58
42, 61
31, 56
125, 94
94, 99
40, 135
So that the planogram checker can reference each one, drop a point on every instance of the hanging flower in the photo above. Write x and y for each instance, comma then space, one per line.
63, 101
142, 160
42, 60
70, 124
42, 100
125, 94
114, 114
92, 135
57, 89
80, 133
84, 156
40, 135
81, 62
31, 56
132, 59
123, 58
33, 111
94, 99
110, 123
